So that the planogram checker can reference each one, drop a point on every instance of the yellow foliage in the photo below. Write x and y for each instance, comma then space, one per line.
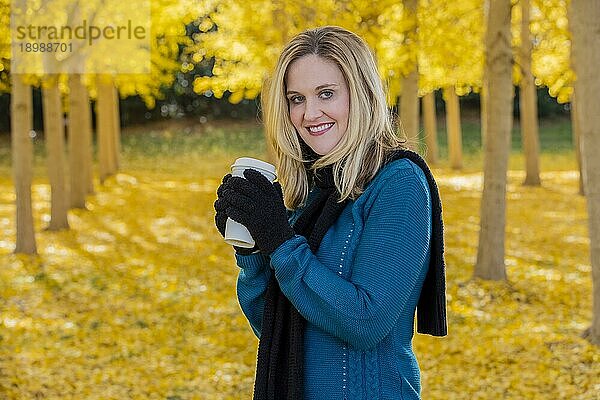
451, 50
551, 62
448, 44
250, 36
138, 301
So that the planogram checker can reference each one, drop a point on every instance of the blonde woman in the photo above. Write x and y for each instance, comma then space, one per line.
334, 281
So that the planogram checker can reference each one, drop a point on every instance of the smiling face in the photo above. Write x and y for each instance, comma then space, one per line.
319, 102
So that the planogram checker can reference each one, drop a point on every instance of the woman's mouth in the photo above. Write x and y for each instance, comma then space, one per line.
318, 130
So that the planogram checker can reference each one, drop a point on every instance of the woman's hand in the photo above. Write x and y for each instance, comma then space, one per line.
221, 216
257, 204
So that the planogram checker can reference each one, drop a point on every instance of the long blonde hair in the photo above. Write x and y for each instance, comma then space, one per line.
370, 135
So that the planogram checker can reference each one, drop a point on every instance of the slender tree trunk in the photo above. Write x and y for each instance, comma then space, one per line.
483, 96
77, 142
409, 101
586, 56
453, 128
430, 124
528, 105
576, 134
116, 129
498, 65
87, 141
409, 109
54, 133
105, 128
22, 157
483, 112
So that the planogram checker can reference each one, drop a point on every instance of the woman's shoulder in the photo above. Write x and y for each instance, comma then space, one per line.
398, 169
396, 182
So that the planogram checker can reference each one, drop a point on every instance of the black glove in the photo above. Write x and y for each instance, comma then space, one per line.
257, 204
221, 217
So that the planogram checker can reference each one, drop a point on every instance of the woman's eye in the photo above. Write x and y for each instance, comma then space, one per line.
326, 94
296, 99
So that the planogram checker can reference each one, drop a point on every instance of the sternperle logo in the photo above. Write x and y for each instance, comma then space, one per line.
83, 32
80, 36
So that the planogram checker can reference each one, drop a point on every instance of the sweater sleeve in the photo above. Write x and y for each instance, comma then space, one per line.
388, 265
252, 281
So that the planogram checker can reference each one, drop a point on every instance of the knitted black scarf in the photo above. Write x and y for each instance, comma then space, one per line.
279, 372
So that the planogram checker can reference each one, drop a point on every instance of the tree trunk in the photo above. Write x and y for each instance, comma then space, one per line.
88, 141
409, 109
430, 124
77, 142
105, 128
576, 134
453, 128
409, 100
22, 157
483, 112
498, 65
54, 134
586, 56
528, 105
116, 129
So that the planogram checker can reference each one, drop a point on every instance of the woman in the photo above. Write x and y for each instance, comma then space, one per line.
332, 285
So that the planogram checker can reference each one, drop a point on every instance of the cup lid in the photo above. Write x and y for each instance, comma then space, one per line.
249, 162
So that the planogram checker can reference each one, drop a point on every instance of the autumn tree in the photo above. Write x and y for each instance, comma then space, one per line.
528, 101
105, 127
22, 155
4, 46
450, 60
586, 56
21, 117
430, 128
498, 68
79, 141
409, 100
453, 127
54, 136
576, 135
552, 59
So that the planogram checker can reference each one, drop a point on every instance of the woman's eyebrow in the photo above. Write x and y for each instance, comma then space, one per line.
316, 89
325, 86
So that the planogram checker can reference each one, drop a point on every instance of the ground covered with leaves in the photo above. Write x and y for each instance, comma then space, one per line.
137, 299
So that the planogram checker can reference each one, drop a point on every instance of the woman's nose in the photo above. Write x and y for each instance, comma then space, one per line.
312, 110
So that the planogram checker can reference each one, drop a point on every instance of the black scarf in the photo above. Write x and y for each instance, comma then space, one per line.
279, 372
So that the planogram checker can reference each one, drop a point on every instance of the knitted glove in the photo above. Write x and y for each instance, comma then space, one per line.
257, 204
221, 217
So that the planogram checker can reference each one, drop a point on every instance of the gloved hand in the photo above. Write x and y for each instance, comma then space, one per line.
221, 217
257, 204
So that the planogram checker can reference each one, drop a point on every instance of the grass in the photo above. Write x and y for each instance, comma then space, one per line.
185, 141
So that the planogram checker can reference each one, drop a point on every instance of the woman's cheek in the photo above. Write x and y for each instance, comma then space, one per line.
296, 117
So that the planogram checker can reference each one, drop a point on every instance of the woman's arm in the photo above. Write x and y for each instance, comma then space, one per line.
389, 264
252, 283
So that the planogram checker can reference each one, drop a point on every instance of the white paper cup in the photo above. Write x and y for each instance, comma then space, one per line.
236, 234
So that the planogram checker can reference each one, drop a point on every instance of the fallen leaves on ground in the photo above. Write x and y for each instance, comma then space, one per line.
137, 299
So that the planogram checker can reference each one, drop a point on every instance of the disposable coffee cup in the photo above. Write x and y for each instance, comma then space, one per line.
236, 234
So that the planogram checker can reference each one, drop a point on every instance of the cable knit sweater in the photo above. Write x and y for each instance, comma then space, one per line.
358, 293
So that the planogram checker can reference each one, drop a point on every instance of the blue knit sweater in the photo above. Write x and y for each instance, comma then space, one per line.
358, 293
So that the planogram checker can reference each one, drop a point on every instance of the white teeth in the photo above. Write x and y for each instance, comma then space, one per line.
319, 128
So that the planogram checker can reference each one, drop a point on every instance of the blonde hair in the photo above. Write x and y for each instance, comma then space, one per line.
370, 135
